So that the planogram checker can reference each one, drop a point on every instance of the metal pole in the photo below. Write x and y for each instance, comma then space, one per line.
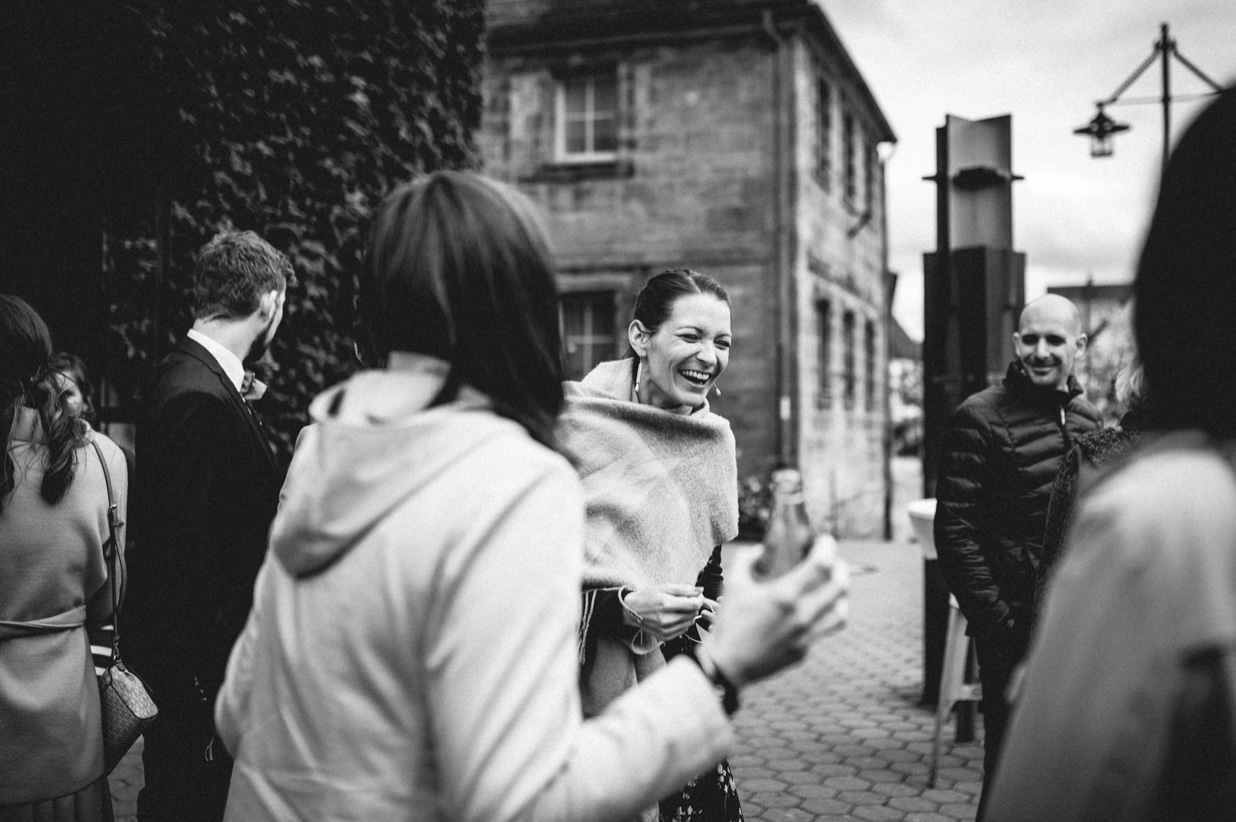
1165, 46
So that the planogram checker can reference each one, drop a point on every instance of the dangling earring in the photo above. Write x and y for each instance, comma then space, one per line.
716, 388
639, 371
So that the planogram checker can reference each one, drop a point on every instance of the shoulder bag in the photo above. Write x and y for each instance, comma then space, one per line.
124, 699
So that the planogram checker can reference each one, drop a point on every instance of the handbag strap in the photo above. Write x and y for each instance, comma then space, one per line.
115, 560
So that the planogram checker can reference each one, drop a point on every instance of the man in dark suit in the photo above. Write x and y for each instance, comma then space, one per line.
207, 487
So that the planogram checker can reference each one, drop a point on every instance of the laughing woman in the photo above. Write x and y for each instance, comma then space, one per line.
659, 476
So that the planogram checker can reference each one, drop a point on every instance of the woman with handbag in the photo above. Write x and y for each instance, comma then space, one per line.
660, 481
54, 506
411, 653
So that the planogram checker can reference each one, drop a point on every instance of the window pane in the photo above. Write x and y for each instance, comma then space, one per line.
605, 134
604, 95
574, 91
588, 331
572, 318
575, 142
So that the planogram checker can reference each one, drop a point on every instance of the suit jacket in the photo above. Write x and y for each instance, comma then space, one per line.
206, 490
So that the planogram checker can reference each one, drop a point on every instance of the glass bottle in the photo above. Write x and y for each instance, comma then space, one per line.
789, 536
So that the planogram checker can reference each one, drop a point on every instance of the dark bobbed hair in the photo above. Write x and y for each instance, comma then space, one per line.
655, 302
458, 267
233, 271
27, 380
1185, 312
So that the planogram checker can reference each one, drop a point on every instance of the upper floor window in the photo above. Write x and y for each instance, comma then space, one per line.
589, 334
871, 165
823, 129
850, 135
586, 128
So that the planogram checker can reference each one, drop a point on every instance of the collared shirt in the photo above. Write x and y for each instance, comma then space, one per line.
231, 364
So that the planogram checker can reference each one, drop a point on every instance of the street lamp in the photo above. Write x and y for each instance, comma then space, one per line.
1102, 127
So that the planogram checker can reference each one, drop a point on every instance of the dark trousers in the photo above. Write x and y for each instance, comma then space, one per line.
997, 659
187, 769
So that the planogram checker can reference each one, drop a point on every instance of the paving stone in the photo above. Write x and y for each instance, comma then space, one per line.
944, 797
913, 804
826, 806
959, 811
877, 776
813, 791
927, 817
834, 769
877, 813
788, 815
780, 799
847, 783
862, 797
960, 774
764, 785
896, 789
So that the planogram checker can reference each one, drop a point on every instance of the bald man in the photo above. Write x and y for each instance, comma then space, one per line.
1001, 455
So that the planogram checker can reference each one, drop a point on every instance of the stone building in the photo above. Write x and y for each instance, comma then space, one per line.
735, 137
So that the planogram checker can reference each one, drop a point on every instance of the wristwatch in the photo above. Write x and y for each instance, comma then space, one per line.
725, 690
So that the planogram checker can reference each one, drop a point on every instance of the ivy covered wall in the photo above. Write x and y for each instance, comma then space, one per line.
291, 118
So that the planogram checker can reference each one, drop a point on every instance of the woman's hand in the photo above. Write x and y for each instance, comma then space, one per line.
766, 626
665, 611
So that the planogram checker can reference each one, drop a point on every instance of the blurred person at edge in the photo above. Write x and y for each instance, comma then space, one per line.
53, 584
1129, 700
76, 391
77, 397
412, 651
1001, 453
1092, 452
653, 533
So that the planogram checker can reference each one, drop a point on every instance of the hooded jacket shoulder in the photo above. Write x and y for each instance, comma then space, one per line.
373, 448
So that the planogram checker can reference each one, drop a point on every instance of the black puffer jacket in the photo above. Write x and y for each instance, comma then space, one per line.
1000, 458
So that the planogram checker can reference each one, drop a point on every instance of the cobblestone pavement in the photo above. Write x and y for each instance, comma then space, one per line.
842, 735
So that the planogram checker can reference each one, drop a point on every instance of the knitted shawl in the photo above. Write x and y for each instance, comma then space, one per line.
661, 488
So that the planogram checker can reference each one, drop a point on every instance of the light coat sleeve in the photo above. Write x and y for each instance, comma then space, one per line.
1146, 583
503, 695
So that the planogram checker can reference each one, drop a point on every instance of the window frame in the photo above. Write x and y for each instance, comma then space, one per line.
849, 364
870, 370
823, 147
589, 78
824, 351
598, 299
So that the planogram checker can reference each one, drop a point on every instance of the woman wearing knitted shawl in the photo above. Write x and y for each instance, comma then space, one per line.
659, 477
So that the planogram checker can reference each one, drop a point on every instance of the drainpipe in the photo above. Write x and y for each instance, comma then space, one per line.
784, 292
890, 290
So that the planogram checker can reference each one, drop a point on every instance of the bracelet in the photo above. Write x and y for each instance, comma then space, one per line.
725, 689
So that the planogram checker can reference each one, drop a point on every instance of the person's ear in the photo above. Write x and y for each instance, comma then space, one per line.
1082, 340
268, 305
638, 336
1016, 338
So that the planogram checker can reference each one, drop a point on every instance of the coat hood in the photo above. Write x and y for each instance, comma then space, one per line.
364, 454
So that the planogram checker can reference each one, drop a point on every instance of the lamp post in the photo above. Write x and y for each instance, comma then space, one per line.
1102, 127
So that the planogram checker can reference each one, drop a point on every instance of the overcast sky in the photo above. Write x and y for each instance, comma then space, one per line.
1045, 62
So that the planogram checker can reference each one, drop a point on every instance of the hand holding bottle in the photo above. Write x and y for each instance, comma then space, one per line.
767, 626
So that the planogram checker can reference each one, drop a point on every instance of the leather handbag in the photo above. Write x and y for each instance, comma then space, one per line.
124, 699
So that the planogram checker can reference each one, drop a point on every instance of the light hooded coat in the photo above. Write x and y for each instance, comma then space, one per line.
412, 649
